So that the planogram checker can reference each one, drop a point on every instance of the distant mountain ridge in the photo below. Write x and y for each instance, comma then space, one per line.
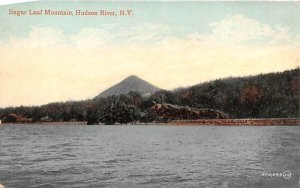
131, 83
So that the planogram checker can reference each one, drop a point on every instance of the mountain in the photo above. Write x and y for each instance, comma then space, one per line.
272, 95
131, 83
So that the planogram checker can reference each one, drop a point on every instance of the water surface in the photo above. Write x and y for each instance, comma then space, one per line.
148, 156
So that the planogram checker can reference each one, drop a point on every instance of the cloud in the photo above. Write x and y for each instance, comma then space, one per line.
47, 37
240, 29
58, 68
40, 37
282, 35
144, 32
236, 29
91, 37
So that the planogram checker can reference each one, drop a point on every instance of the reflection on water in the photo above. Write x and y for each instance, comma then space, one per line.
148, 156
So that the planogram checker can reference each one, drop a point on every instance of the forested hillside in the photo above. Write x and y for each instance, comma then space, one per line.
269, 95
273, 95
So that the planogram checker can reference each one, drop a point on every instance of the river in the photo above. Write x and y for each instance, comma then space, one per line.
149, 156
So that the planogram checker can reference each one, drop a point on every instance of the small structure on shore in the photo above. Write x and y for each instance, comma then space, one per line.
46, 119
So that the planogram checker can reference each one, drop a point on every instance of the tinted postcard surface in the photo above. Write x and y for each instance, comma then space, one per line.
225, 73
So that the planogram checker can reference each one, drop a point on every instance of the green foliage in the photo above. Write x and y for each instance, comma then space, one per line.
275, 95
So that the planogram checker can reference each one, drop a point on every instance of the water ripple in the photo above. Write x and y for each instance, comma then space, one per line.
153, 156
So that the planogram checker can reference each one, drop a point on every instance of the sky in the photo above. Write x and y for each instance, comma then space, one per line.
169, 44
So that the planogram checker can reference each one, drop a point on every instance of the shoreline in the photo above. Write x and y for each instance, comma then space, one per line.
241, 122
198, 122
48, 123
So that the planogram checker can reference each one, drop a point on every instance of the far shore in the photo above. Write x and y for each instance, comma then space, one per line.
198, 122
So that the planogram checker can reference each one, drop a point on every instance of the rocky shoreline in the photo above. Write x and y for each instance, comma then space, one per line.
49, 123
240, 122
198, 122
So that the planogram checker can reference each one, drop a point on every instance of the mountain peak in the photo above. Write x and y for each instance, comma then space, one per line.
131, 83
132, 77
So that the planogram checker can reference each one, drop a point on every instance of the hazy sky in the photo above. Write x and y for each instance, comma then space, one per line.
57, 58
